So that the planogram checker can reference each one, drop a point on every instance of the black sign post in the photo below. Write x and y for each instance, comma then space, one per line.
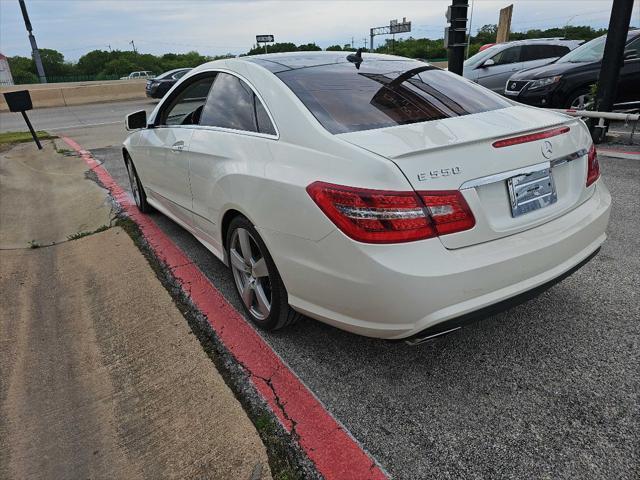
455, 35
264, 39
20, 101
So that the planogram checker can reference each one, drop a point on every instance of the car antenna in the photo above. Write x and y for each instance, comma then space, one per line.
356, 58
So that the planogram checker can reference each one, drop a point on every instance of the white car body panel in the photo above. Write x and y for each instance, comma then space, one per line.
379, 290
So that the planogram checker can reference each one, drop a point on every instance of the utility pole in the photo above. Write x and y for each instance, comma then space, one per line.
612, 60
110, 48
504, 24
134, 46
456, 34
466, 55
35, 53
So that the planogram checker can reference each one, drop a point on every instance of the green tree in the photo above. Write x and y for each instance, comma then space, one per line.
486, 34
275, 48
309, 47
334, 48
414, 48
119, 66
53, 63
93, 62
23, 70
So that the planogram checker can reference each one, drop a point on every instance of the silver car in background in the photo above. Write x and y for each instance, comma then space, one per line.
493, 66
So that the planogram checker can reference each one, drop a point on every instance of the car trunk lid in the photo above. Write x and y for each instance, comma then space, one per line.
458, 153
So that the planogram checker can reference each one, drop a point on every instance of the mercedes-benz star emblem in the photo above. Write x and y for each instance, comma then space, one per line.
547, 149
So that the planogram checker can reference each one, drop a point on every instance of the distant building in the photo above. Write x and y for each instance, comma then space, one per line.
5, 71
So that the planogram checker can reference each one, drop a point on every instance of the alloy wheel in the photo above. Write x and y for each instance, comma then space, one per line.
250, 273
581, 101
134, 183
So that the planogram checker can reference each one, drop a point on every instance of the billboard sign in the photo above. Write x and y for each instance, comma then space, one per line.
399, 27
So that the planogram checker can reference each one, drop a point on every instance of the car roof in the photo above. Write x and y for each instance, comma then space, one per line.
280, 62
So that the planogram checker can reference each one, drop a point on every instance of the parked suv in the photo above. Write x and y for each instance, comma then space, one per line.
493, 66
566, 83
136, 75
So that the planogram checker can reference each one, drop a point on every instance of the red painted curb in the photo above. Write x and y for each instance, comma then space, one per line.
615, 150
330, 447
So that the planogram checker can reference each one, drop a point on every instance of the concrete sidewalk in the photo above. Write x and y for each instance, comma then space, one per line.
100, 376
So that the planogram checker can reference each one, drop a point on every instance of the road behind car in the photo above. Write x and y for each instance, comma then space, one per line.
547, 389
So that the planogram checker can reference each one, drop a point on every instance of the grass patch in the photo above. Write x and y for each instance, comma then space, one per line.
21, 137
78, 235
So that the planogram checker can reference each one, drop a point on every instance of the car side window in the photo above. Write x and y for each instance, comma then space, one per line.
508, 55
560, 50
178, 75
233, 104
635, 46
538, 52
186, 107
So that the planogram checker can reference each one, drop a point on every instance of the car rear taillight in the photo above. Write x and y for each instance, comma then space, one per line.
381, 216
532, 137
593, 167
449, 211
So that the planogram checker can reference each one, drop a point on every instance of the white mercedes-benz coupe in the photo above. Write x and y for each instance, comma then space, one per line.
375, 193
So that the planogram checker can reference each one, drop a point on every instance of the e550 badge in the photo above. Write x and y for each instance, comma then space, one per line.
443, 172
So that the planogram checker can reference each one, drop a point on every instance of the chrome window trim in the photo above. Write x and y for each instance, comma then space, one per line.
497, 177
223, 129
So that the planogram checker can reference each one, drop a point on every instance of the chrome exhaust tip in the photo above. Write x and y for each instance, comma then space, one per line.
419, 340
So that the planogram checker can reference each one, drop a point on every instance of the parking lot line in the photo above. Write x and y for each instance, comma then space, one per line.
332, 449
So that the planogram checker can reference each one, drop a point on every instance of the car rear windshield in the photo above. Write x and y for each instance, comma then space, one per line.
385, 93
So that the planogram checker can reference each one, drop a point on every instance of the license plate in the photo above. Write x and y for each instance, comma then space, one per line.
531, 191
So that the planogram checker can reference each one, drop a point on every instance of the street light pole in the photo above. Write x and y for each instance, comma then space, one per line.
35, 53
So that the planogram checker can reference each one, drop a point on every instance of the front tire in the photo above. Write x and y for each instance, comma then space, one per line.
258, 283
580, 99
137, 189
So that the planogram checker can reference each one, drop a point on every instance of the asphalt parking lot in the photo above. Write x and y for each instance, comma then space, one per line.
549, 389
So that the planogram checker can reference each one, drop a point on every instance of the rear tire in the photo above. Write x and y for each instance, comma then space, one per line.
137, 190
258, 283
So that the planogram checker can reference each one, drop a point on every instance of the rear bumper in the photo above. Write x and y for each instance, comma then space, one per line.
463, 320
397, 291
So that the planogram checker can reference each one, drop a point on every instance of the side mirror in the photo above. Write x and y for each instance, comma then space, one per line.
630, 54
487, 63
136, 120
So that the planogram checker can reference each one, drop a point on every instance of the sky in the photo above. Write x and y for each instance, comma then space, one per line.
213, 27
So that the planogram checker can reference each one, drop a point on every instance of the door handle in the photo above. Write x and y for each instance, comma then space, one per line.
178, 146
